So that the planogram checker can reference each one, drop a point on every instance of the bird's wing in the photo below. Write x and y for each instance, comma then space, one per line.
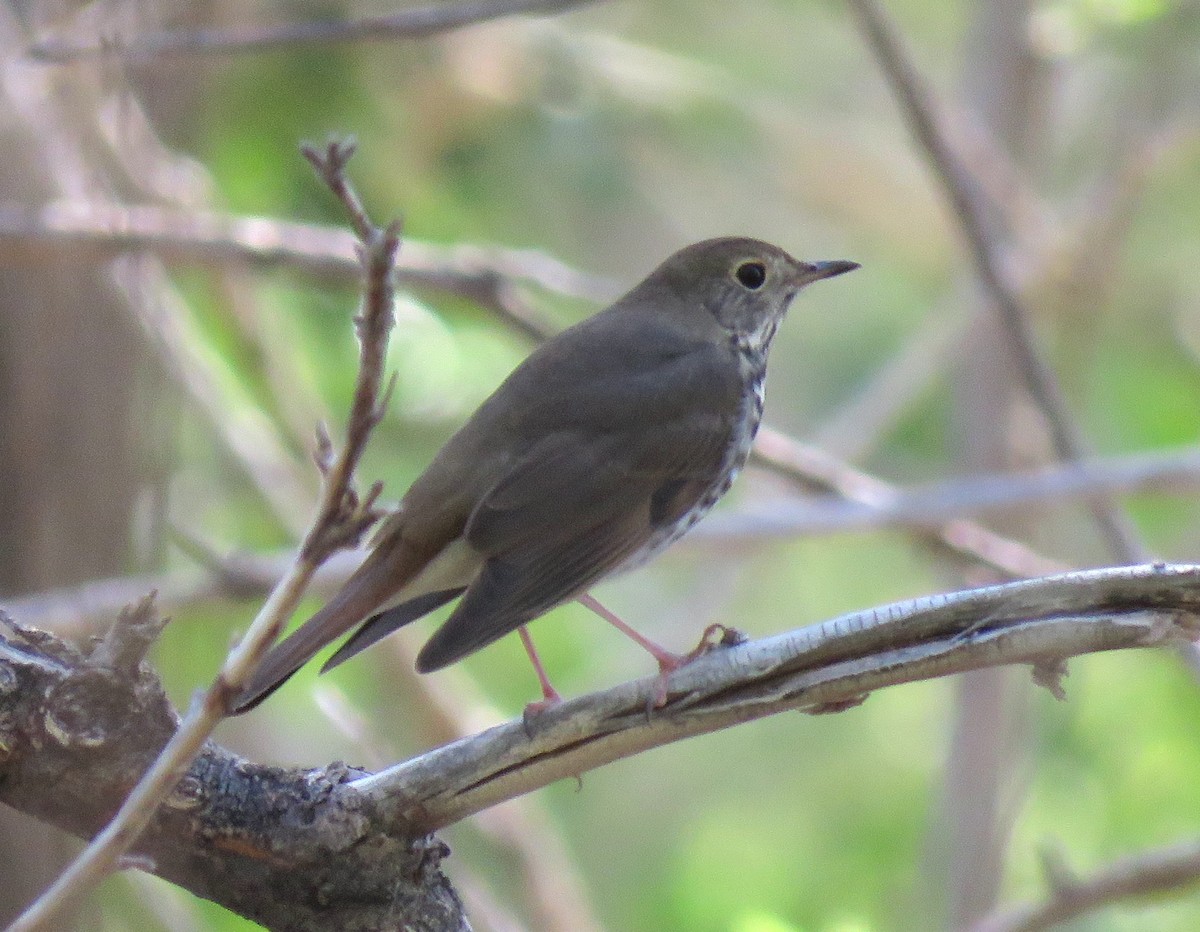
582, 501
514, 589
590, 454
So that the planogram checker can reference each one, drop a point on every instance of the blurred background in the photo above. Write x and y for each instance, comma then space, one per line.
157, 409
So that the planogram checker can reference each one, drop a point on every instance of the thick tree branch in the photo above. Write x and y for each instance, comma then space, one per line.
821, 668
273, 843
290, 849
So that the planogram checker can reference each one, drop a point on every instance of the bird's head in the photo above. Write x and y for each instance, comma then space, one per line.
746, 285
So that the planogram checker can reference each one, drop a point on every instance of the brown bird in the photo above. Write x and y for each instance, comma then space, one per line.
603, 447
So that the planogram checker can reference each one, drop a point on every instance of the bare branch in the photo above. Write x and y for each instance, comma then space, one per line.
341, 519
962, 540
874, 505
1142, 875
330, 165
289, 848
820, 668
413, 23
490, 277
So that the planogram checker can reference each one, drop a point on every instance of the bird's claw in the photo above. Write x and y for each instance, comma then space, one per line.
715, 635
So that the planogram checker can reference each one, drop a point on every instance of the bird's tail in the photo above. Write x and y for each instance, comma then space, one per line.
383, 575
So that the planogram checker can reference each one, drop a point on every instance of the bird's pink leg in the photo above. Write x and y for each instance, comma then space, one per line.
550, 695
667, 660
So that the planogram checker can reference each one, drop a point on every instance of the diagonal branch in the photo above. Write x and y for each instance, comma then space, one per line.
925, 121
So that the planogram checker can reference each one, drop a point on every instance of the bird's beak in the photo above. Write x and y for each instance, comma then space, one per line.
810, 272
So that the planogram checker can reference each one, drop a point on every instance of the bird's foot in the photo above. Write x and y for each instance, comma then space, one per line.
714, 636
550, 698
550, 695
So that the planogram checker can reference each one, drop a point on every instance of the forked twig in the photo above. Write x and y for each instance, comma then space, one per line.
342, 518
1159, 871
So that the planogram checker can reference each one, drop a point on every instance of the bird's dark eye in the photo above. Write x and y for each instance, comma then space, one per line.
751, 274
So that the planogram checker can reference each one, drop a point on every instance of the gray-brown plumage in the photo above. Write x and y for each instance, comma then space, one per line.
606, 444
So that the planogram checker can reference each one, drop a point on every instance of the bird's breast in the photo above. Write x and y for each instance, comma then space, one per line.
752, 368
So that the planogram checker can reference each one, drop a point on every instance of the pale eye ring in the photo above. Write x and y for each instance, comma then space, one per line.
751, 274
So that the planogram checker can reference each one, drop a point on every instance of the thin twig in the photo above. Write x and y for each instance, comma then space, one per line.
937, 503
960, 539
414, 23
342, 518
1165, 870
925, 122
